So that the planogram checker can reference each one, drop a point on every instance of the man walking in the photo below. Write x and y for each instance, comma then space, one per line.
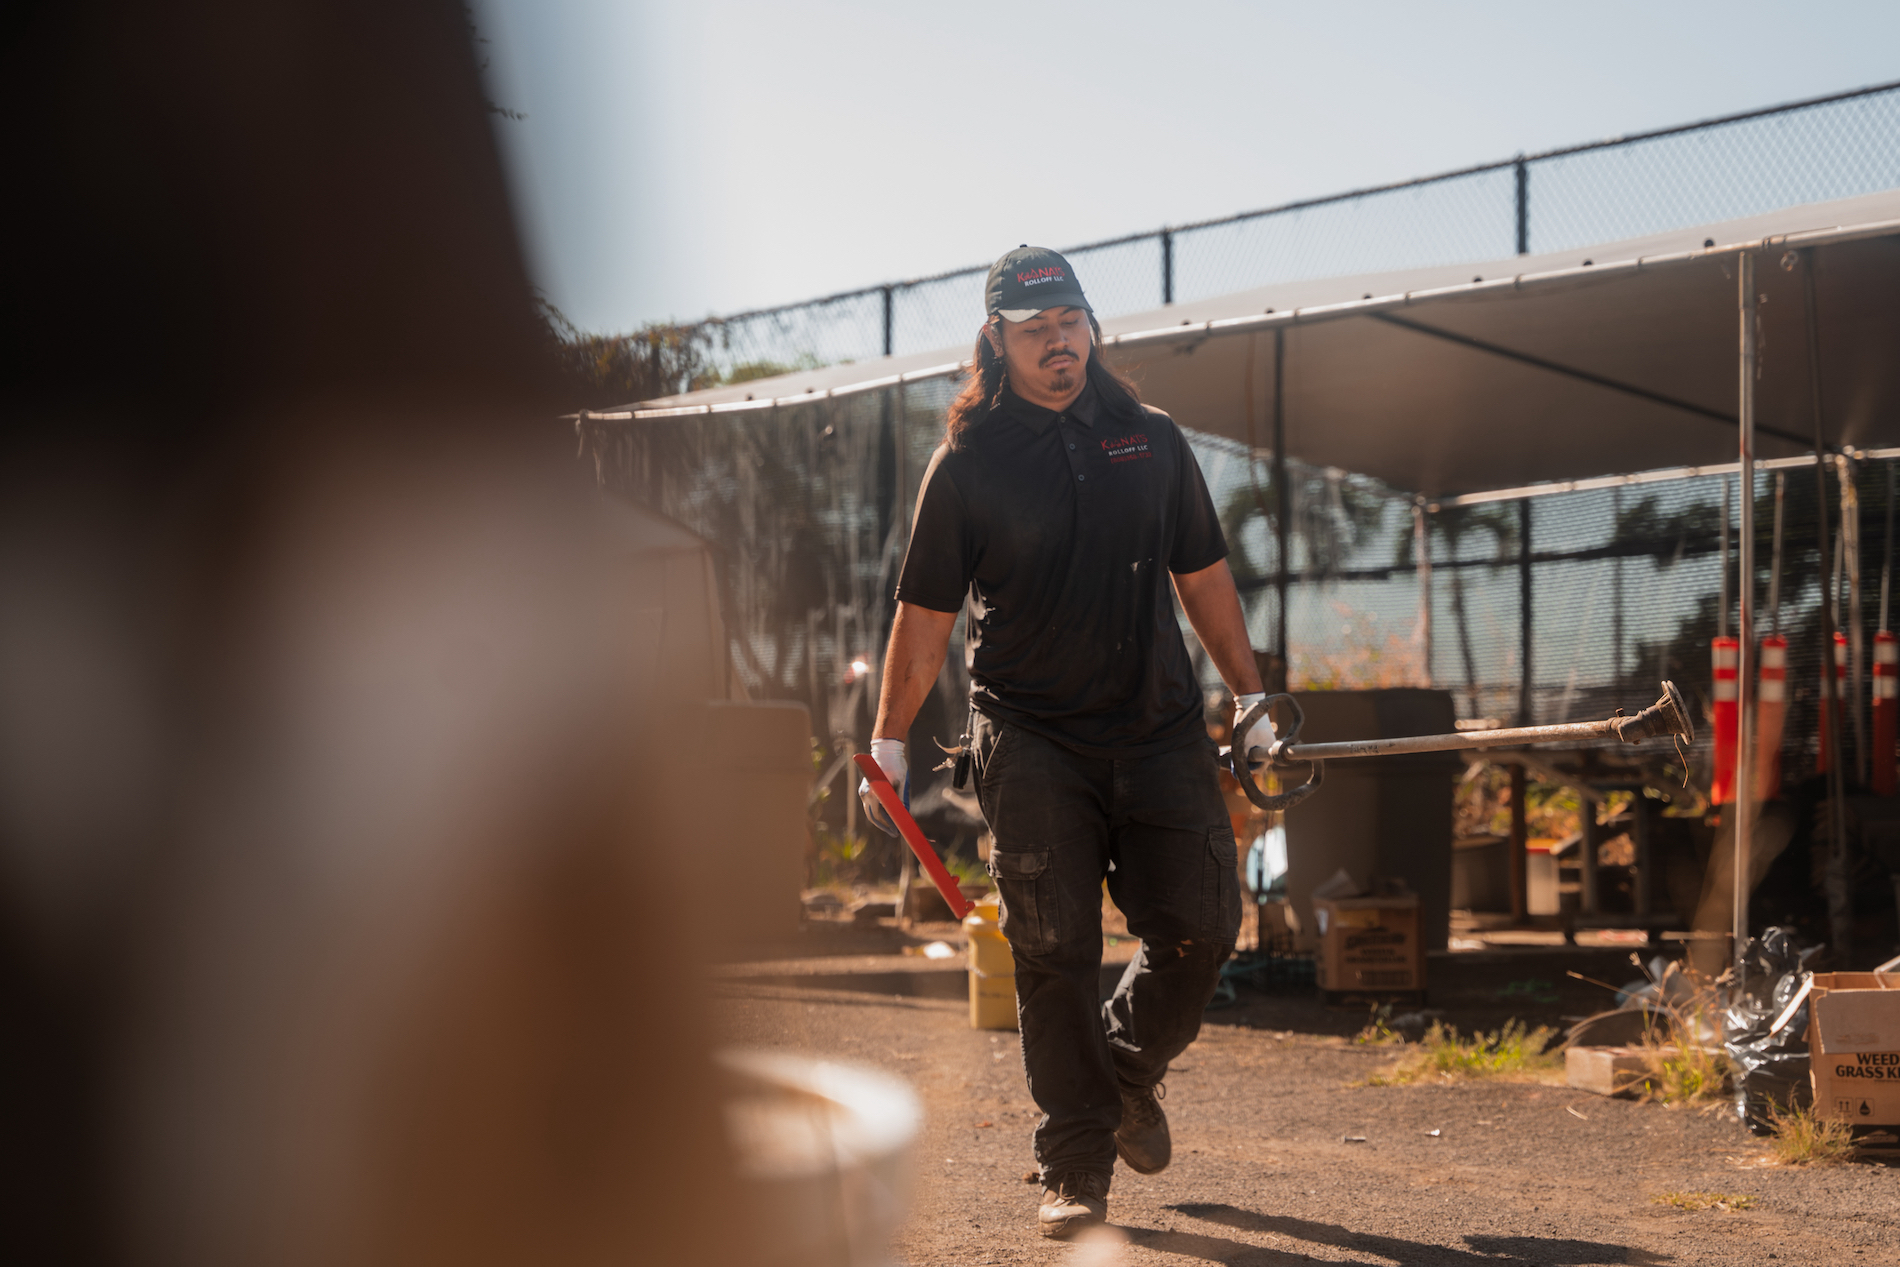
1070, 517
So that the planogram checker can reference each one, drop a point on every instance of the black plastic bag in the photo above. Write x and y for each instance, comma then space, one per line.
1770, 1071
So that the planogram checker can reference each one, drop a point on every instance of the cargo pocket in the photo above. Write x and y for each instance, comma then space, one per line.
1026, 882
1220, 888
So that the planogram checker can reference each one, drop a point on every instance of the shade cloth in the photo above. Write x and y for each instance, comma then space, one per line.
1557, 366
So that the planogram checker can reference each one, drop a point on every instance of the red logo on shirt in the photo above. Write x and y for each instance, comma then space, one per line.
1127, 448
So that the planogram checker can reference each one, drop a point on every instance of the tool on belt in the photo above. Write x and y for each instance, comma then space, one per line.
1667, 716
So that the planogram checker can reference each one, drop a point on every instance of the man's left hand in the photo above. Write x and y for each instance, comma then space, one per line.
889, 755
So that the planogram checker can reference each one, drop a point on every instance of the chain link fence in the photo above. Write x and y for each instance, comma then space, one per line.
1833, 147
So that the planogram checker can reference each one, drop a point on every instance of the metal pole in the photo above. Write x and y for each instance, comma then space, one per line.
1834, 591
1667, 716
1856, 649
1458, 741
889, 305
1645, 858
1282, 495
1524, 717
1523, 206
1886, 558
1587, 857
1520, 843
1745, 619
903, 463
1774, 575
1167, 266
1616, 594
1422, 555
1721, 586
1839, 900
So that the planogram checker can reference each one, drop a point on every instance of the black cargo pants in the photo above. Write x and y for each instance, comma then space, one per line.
1157, 830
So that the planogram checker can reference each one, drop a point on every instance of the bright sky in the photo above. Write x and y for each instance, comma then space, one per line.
685, 159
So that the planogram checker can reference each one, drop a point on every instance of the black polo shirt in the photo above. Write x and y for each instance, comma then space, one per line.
1062, 530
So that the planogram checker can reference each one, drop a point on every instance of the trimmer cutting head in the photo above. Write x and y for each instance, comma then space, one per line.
1667, 716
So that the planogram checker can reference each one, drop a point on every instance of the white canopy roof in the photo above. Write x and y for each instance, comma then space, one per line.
1462, 378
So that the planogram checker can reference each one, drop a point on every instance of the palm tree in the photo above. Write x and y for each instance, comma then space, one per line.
1452, 524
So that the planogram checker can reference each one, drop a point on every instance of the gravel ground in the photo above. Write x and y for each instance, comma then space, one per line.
1262, 1173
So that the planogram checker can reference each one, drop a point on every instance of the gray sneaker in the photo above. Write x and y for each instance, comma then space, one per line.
1071, 1203
1142, 1139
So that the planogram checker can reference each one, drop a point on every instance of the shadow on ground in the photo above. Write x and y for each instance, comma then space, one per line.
1489, 1250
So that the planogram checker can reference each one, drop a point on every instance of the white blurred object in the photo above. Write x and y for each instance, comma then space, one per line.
1099, 1247
824, 1150
940, 950
1266, 859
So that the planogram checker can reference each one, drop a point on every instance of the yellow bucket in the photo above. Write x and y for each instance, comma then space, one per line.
992, 969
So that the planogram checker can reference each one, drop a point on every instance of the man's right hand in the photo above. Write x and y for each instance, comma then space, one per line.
889, 755
1260, 735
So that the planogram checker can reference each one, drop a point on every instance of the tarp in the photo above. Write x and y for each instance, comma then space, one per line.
1559, 366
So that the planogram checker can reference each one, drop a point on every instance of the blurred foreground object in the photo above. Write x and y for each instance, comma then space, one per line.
824, 1156
337, 735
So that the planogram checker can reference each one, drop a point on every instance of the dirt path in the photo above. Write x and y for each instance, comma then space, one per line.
1261, 1175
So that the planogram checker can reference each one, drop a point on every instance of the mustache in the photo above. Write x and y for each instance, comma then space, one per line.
1057, 353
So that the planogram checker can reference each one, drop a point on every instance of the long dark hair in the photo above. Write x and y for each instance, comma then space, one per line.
983, 387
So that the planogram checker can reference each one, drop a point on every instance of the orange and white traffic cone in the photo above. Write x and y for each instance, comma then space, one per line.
1771, 712
1886, 712
1726, 652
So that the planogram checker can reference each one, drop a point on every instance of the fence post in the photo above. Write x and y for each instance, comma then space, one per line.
1745, 791
1422, 559
887, 321
1524, 717
1282, 499
1519, 846
1167, 266
1523, 206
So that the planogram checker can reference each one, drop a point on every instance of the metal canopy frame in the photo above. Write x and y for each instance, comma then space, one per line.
1385, 309
1584, 376
1371, 305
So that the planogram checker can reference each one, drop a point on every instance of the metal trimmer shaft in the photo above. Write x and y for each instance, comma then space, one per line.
1667, 716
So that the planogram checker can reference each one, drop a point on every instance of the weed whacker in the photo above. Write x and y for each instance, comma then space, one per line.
1667, 716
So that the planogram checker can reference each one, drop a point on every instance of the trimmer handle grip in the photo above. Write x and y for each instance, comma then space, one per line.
1243, 773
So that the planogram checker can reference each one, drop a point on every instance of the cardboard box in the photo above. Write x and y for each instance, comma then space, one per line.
1854, 1047
1368, 944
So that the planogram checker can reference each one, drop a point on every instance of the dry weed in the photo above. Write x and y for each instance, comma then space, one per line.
1705, 1200
1681, 1067
1802, 1138
1378, 1032
1683, 1059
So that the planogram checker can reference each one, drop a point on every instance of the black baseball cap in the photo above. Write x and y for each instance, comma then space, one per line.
1029, 280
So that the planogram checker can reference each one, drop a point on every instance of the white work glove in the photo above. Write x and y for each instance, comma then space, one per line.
1261, 735
889, 755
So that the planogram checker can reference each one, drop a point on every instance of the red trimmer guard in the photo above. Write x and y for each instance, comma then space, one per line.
893, 804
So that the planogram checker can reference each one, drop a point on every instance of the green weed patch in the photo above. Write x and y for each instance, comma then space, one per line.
1514, 1053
